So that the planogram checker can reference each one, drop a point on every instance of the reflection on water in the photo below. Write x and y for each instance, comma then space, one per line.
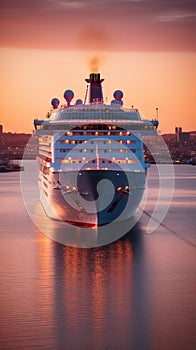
96, 295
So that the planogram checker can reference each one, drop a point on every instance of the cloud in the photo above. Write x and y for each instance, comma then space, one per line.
177, 16
66, 4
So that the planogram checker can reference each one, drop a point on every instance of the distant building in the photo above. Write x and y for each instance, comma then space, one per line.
1, 129
182, 137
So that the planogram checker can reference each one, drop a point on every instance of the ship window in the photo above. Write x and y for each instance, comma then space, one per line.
93, 161
103, 161
64, 161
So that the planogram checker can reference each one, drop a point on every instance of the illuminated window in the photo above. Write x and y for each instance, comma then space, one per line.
65, 161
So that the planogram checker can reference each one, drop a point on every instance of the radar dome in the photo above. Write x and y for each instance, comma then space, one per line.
117, 102
55, 102
118, 94
68, 95
79, 101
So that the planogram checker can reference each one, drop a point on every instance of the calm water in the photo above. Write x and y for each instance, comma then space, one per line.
137, 293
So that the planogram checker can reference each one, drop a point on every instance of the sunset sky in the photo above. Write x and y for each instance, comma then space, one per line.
147, 48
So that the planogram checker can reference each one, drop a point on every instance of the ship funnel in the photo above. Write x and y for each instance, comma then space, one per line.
95, 93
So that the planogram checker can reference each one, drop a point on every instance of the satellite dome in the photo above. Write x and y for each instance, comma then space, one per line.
55, 102
118, 94
68, 95
117, 102
79, 101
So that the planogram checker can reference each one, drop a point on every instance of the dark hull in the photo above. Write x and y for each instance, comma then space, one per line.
95, 197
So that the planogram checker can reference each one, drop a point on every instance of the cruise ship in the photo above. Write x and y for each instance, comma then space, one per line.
91, 160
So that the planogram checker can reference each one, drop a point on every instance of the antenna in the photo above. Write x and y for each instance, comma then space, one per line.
86, 94
157, 113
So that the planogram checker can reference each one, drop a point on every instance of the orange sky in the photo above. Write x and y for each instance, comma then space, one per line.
146, 48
